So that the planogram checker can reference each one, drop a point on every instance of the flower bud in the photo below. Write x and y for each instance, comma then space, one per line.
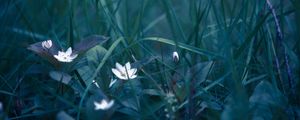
47, 44
95, 83
175, 57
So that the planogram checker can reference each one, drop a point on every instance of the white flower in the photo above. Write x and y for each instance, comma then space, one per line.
175, 56
104, 104
1, 107
65, 56
47, 44
170, 95
124, 72
112, 82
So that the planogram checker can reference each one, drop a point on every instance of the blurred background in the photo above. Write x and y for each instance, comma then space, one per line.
239, 59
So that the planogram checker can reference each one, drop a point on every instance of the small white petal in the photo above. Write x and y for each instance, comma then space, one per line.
117, 73
57, 57
73, 56
132, 71
110, 104
69, 51
120, 67
60, 53
98, 106
128, 66
49, 41
47, 44
133, 76
112, 82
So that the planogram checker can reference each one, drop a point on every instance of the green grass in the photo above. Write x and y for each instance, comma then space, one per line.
239, 59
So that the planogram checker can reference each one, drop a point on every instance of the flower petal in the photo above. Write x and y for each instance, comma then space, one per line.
57, 56
73, 56
128, 66
97, 105
103, 105
60, 53
133, 76
110, 104
112, 82
120, 67
49, 42
117, 73
103, 102
132, 71
69, 51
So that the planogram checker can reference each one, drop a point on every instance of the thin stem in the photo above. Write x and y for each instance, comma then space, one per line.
280, 39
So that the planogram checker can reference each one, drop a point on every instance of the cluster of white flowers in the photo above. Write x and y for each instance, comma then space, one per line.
62, 56
122, 72
170, 97
171, 107
170, 113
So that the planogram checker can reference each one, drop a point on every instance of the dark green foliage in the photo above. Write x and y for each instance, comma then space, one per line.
238, 59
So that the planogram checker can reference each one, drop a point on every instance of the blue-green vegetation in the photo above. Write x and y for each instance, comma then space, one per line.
149, 59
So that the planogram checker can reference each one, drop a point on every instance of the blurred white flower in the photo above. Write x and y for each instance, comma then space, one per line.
1, 107
170, 95
112, 82
47, 44
104, 104
175, 56
167, 115
173, 108
124, 72
171, 98
65, 56
96, 83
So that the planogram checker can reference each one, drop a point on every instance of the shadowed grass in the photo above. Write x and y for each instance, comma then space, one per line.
239, 59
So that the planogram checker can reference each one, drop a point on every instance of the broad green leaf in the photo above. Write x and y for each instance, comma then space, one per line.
199, 72
267, 99
266, 94
66, 79
183, 46
93, 57
153, 92
88, 43
60, 76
